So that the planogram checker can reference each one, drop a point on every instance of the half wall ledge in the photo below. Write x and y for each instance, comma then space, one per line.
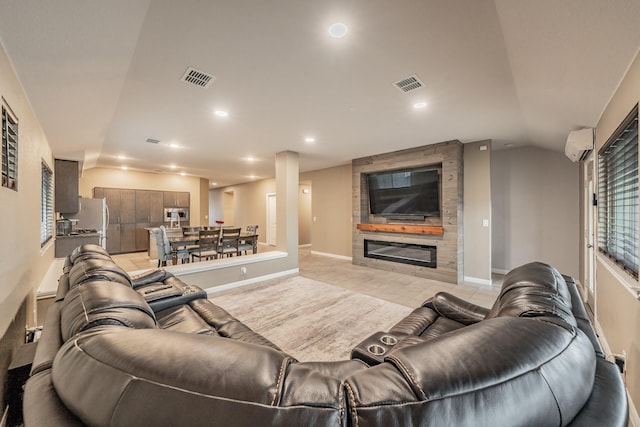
432, 230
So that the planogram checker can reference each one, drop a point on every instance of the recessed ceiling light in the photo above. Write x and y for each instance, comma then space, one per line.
251, 159
213, 184
338, 30
221, 113
173, 166
419, 105
252, 177
309, 140
124, 168
183, 173
121, 157
174, 145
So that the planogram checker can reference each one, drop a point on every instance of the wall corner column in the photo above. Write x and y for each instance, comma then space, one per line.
287, 180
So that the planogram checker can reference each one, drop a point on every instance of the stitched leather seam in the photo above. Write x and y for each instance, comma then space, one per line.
354, 413
555, 398
410, 375
340, 403
284, 364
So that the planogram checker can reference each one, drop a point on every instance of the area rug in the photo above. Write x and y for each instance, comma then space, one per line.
311, 320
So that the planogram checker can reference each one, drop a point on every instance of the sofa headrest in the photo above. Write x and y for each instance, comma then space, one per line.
97, 303
533, 290
87, 250
96, 269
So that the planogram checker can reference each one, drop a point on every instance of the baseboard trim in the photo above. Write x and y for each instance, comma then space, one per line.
634, 419
306, 245
251, 281
346, 258
499, 271
477, 280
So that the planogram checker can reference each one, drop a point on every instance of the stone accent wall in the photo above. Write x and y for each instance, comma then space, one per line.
449, 245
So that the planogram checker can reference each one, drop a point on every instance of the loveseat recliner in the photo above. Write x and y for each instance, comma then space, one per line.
151, 350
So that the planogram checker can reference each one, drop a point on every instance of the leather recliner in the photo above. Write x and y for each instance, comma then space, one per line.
107, 358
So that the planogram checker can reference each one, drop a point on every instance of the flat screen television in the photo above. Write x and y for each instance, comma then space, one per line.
411, 192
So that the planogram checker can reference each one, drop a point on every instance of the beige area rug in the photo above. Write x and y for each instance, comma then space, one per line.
311, 320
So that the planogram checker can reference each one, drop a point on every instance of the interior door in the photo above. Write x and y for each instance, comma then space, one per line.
589, 235
271, 219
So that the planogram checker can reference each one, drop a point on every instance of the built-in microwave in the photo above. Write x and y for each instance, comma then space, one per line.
176, 214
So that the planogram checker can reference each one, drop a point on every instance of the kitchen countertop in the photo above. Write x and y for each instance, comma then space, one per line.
69, 236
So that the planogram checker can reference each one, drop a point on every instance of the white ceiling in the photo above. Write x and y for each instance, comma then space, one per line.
103, 76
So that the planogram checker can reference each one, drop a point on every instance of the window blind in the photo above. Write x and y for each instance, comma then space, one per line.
46, 210
9, 149
618, 195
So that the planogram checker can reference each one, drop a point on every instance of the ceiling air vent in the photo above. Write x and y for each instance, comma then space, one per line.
152, 141
198, 78
409, 83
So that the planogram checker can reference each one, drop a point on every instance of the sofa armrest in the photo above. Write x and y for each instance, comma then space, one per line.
607, 404
151, 276
457, 309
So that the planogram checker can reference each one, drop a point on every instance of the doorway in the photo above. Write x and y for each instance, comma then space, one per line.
227, 208
271, 219
589, 235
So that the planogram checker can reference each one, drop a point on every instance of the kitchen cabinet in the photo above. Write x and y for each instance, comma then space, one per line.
132, 210
66, 186
156, 207
127, 206
113, 238
128, 237
176, 199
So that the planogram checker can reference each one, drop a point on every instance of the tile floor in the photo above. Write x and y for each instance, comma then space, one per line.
399, 288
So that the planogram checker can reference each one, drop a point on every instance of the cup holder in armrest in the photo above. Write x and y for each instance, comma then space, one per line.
388, 340
376, 349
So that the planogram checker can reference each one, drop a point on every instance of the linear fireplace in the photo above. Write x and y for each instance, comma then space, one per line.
405, 253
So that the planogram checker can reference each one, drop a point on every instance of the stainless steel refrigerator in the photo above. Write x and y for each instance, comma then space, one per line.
93, 215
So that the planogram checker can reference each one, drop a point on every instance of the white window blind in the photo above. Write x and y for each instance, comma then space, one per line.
618, 195
46, 205
9, 149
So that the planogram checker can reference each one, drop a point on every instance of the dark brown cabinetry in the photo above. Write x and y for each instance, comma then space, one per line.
66, 187
132, 211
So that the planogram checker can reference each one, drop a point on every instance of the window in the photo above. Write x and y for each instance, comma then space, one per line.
618, 195
46, 205
9, 148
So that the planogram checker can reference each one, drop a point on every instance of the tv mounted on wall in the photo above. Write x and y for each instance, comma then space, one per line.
413, 192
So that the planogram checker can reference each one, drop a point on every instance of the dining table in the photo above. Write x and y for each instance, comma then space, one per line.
179, 242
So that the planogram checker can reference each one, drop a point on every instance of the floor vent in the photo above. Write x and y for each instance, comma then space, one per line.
408, 84
152, 141
198, 78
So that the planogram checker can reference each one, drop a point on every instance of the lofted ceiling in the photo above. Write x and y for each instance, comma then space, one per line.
105, 76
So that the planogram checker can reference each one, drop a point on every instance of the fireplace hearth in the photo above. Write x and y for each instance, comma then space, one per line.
405, 253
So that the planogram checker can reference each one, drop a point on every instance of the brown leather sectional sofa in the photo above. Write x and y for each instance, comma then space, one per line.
153, 351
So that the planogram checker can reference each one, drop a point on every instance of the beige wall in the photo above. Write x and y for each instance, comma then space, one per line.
536, 209
304, 214
249, 204
118, 178
477, 211
617, 311
330, 210
23, 263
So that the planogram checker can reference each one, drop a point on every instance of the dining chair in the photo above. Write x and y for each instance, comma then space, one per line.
249, 243
229, 241
165, 253
190, 231
208, 241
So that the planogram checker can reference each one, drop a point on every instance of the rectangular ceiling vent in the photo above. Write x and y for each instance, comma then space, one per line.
408, 84
152, 141
198, 78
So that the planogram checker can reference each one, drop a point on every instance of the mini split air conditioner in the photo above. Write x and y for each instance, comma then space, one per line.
579, 144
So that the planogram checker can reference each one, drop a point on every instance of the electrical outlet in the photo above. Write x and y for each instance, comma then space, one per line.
243, 271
